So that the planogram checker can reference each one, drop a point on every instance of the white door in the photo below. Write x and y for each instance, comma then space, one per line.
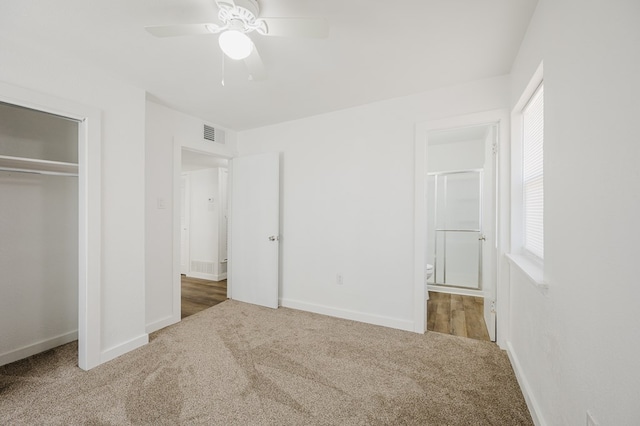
185, 201
489, 222
254, 229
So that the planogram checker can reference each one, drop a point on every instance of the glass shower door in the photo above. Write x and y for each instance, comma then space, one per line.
455, 228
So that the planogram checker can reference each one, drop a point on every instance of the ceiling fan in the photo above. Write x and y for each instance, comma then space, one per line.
239, 18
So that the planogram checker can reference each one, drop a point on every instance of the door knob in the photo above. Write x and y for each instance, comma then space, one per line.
482, 237
274, 238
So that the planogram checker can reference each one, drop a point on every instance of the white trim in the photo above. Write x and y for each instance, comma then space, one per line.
456, 290
205, 276
185, 257
501, 117
161, 323
420, 230
36, 348
125, 347
531, 268
532, 403
350, 315
89, 214
532, 86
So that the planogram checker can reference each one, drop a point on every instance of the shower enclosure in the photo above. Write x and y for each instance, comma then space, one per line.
454, 228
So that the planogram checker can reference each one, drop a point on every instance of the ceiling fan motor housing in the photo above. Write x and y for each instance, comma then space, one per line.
239, 13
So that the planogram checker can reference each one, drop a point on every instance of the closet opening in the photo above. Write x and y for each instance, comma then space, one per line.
50, 225
38, 230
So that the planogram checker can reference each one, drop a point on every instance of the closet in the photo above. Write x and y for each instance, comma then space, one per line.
38, 231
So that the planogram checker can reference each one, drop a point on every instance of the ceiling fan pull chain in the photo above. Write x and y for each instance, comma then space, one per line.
223, 69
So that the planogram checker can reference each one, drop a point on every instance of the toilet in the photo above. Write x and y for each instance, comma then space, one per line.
429, 271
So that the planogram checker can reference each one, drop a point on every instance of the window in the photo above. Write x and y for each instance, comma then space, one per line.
527, 182
533, 174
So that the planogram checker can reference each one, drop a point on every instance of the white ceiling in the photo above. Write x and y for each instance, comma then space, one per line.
377, 49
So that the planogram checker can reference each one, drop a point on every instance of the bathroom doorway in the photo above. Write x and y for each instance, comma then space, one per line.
461, 216
468, 150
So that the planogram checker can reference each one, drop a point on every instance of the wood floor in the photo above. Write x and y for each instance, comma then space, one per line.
457, 315
198, 294
447, 313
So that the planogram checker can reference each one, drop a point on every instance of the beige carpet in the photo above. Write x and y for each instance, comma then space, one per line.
239, 364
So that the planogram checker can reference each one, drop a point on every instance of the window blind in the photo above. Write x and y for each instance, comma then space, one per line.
533, 173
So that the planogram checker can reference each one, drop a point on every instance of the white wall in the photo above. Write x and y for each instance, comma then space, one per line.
577, 345
348, 198
456, 156
38, 260
164, 128
203, 240
123, 111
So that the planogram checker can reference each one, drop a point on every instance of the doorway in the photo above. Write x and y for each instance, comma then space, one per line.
203, 231
459, 213
253, 224
456, 218
459, 217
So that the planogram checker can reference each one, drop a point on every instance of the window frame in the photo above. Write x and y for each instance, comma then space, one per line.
530, 264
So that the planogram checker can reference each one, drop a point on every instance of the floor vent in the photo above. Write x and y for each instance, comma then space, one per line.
214, 135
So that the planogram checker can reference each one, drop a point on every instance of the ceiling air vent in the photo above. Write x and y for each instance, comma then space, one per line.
214, 135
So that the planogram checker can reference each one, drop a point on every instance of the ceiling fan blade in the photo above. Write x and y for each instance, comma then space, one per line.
225, 4
295, 27
257, 71
183, 30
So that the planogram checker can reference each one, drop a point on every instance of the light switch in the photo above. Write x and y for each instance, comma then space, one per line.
162, 204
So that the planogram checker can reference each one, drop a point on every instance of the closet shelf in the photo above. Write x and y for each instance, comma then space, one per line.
32, 165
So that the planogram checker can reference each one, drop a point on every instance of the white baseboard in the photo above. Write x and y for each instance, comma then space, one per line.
36, 348
205, 276
455, 290
532, 403
162, 323
350, 315
125, 347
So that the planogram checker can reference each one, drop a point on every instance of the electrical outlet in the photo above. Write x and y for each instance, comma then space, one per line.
339, 279
591, 421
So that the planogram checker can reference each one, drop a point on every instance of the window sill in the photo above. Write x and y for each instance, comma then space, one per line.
532, 269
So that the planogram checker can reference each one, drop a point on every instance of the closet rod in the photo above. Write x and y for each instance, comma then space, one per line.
37, 172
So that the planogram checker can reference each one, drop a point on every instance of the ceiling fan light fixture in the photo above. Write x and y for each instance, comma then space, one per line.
235, 44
